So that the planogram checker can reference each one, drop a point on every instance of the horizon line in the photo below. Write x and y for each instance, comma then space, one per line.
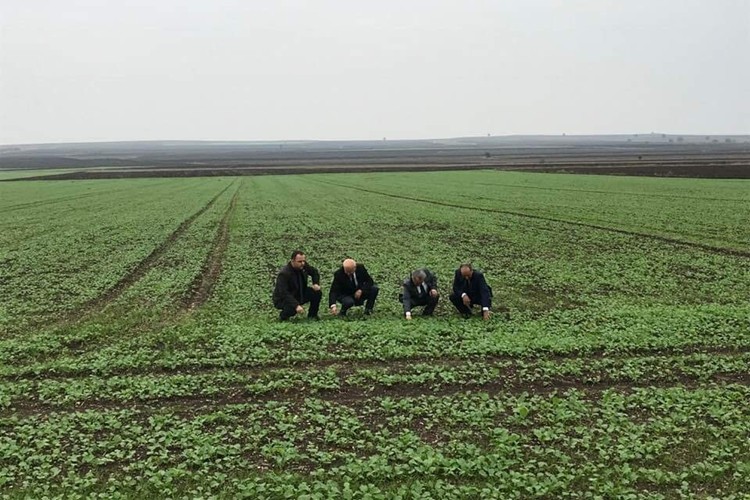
384, 139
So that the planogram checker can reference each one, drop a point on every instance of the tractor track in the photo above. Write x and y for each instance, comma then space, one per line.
203, 284
662, 239
140, 269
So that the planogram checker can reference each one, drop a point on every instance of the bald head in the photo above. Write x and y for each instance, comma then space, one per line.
349, 265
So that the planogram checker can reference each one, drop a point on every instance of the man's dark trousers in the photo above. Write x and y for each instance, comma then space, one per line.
289, 309
428, 301
459, 303
367, 298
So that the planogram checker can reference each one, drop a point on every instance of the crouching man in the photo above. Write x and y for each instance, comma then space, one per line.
291, 290
471, 289
352, 286
419, 289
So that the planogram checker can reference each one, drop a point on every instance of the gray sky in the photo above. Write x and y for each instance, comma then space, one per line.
346, 69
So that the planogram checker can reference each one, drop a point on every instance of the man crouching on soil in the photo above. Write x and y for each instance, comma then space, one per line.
470, 289
291, 290
352, 286
419, 289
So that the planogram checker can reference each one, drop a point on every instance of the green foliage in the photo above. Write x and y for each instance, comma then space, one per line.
621, 373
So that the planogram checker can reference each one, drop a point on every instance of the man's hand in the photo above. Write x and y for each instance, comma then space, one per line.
300, 310
316, 287
357, 294
486, 315
334, 310
433, 293
467, 300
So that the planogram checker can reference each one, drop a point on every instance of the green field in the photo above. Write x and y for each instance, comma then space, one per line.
20, 174
141, 356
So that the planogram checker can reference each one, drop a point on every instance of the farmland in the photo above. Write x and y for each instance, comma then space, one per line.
141, 356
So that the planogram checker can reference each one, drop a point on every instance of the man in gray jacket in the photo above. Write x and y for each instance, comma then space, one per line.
419, 289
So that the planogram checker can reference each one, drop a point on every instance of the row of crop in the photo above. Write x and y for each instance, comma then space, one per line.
361, 382
560, 444
191, 345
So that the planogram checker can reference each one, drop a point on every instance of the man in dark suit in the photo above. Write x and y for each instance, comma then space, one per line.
419, 289
352, 286
470, 289
292, 291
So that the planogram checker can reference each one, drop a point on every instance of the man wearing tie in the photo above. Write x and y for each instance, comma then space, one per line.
291, 289
352, 286
420, 289
470, 289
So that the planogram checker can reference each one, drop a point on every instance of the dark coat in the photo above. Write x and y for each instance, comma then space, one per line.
290, 284
342, 285
409, 289
476, 288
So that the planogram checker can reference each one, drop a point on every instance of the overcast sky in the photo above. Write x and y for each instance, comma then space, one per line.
346, 69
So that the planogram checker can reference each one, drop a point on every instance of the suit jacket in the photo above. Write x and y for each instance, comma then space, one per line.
290, 284
342, 285
476, 288
409, 289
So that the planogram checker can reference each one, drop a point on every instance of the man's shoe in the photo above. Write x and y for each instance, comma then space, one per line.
368, 312
466, 315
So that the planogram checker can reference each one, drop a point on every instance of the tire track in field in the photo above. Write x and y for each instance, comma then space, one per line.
203, 284
663, 239
140, 270
100, 302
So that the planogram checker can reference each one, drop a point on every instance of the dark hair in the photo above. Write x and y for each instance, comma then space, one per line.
466, 265
296, 253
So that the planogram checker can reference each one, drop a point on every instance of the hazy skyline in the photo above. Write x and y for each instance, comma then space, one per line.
75, 71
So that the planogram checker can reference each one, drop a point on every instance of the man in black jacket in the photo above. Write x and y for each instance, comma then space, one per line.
420, 289
352, 286
469, 289
292, 291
